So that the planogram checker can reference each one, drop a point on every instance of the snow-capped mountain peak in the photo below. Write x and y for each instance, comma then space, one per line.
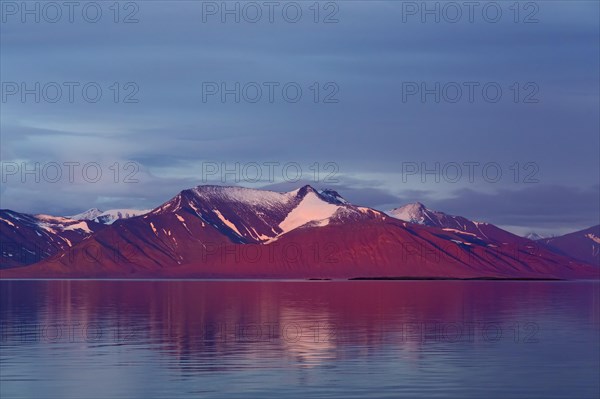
90, 214
419, 214
311, 208
414, 213
253, 216
243, 195
533, 236
333, 196
108, 217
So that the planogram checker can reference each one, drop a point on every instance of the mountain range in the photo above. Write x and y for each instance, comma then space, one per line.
26, 239
419, 214
107, 217
583, 245
234, 232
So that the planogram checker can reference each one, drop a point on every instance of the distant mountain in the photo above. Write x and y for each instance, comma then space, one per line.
27, 239
583, 245
419, 214
233, 232
108, 217
533, 236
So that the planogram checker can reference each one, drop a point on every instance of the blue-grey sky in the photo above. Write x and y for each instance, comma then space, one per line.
367, 130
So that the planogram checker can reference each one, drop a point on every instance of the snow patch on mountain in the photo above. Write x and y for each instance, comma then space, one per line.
247, 196
79, 226
110, 216
39, 235
227, 222
8, 222
310, 209
459, 232
54, 219
412, 213
90, 214
333, 196
593, 237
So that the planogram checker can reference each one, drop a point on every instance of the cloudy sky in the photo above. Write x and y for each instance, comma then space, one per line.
490, 112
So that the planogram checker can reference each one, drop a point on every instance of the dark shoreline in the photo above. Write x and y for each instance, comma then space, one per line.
258, 278
459, 279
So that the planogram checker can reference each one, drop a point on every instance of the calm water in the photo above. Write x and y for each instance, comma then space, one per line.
159, 339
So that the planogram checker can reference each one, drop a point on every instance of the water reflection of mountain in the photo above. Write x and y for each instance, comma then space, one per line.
216, 325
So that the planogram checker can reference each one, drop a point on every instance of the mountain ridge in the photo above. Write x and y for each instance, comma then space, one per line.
212, 231
27, 238
583, 245
418, 213
109, 216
